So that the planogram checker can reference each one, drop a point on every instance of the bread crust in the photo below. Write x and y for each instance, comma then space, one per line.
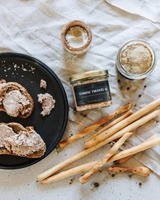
10, 86
16, 127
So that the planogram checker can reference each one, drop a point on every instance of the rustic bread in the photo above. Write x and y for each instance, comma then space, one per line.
20, 141
15, 100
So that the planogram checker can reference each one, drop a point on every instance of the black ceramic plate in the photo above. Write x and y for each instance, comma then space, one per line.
28, 71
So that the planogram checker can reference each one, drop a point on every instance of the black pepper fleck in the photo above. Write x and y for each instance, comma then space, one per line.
145, 86
96, 184
71, 181
139, 95
128, 88
130, 176
84, 115
140, 184
113, 175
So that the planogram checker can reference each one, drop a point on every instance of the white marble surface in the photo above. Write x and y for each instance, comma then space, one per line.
34, 27
21, 184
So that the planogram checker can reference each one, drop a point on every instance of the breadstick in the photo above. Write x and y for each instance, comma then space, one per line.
138, 114
89, 150
104, 160
94, 126
125, 123
136, 149
125, 115
123, 160
151, 142
68, 173
142, 171
65, 163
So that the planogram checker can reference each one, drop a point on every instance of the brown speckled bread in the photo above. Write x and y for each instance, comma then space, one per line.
15, 100
20, 141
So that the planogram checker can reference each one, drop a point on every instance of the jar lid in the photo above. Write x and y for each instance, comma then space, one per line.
89, 75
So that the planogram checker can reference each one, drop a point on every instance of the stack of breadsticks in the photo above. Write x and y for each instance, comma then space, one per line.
117, 127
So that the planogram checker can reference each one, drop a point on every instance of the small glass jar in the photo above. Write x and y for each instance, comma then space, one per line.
91, 90
76, 37
136, 59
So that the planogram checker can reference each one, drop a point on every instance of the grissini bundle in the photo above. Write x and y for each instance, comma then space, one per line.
105, 159
85, 152
126, 125
110, 154
95, 126
112, 123
149, 143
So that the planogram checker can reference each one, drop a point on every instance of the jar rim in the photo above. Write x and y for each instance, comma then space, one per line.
73, 24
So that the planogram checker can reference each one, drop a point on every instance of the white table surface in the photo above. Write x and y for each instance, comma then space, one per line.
33, 27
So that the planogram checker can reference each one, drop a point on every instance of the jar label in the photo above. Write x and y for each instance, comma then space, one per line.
90, 93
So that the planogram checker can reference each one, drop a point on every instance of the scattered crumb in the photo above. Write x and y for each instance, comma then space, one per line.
48, 103
111, 144
130, 176
57, 149
43, 84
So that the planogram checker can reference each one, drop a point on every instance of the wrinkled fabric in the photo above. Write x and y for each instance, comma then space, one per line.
34, 28
145, 8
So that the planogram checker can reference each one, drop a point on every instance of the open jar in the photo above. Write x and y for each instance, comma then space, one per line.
76, 37
91, 90
136, 59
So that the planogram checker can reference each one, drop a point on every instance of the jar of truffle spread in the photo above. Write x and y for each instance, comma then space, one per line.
91, 90
136, 59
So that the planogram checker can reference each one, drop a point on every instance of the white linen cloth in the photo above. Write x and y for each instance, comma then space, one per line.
144, 8
34, 28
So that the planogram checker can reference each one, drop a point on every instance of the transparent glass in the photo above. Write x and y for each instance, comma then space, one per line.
135, 59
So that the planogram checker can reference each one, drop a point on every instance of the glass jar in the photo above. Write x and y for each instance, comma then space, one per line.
76, 37
136, 59
91, 90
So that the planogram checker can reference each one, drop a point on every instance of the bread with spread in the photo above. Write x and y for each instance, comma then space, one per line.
15, 100
18, 140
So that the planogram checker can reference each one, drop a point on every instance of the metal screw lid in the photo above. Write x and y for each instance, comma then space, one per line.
89, 75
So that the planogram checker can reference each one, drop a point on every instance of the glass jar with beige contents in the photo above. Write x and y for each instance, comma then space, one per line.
76, 37
91, 90
136, 59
